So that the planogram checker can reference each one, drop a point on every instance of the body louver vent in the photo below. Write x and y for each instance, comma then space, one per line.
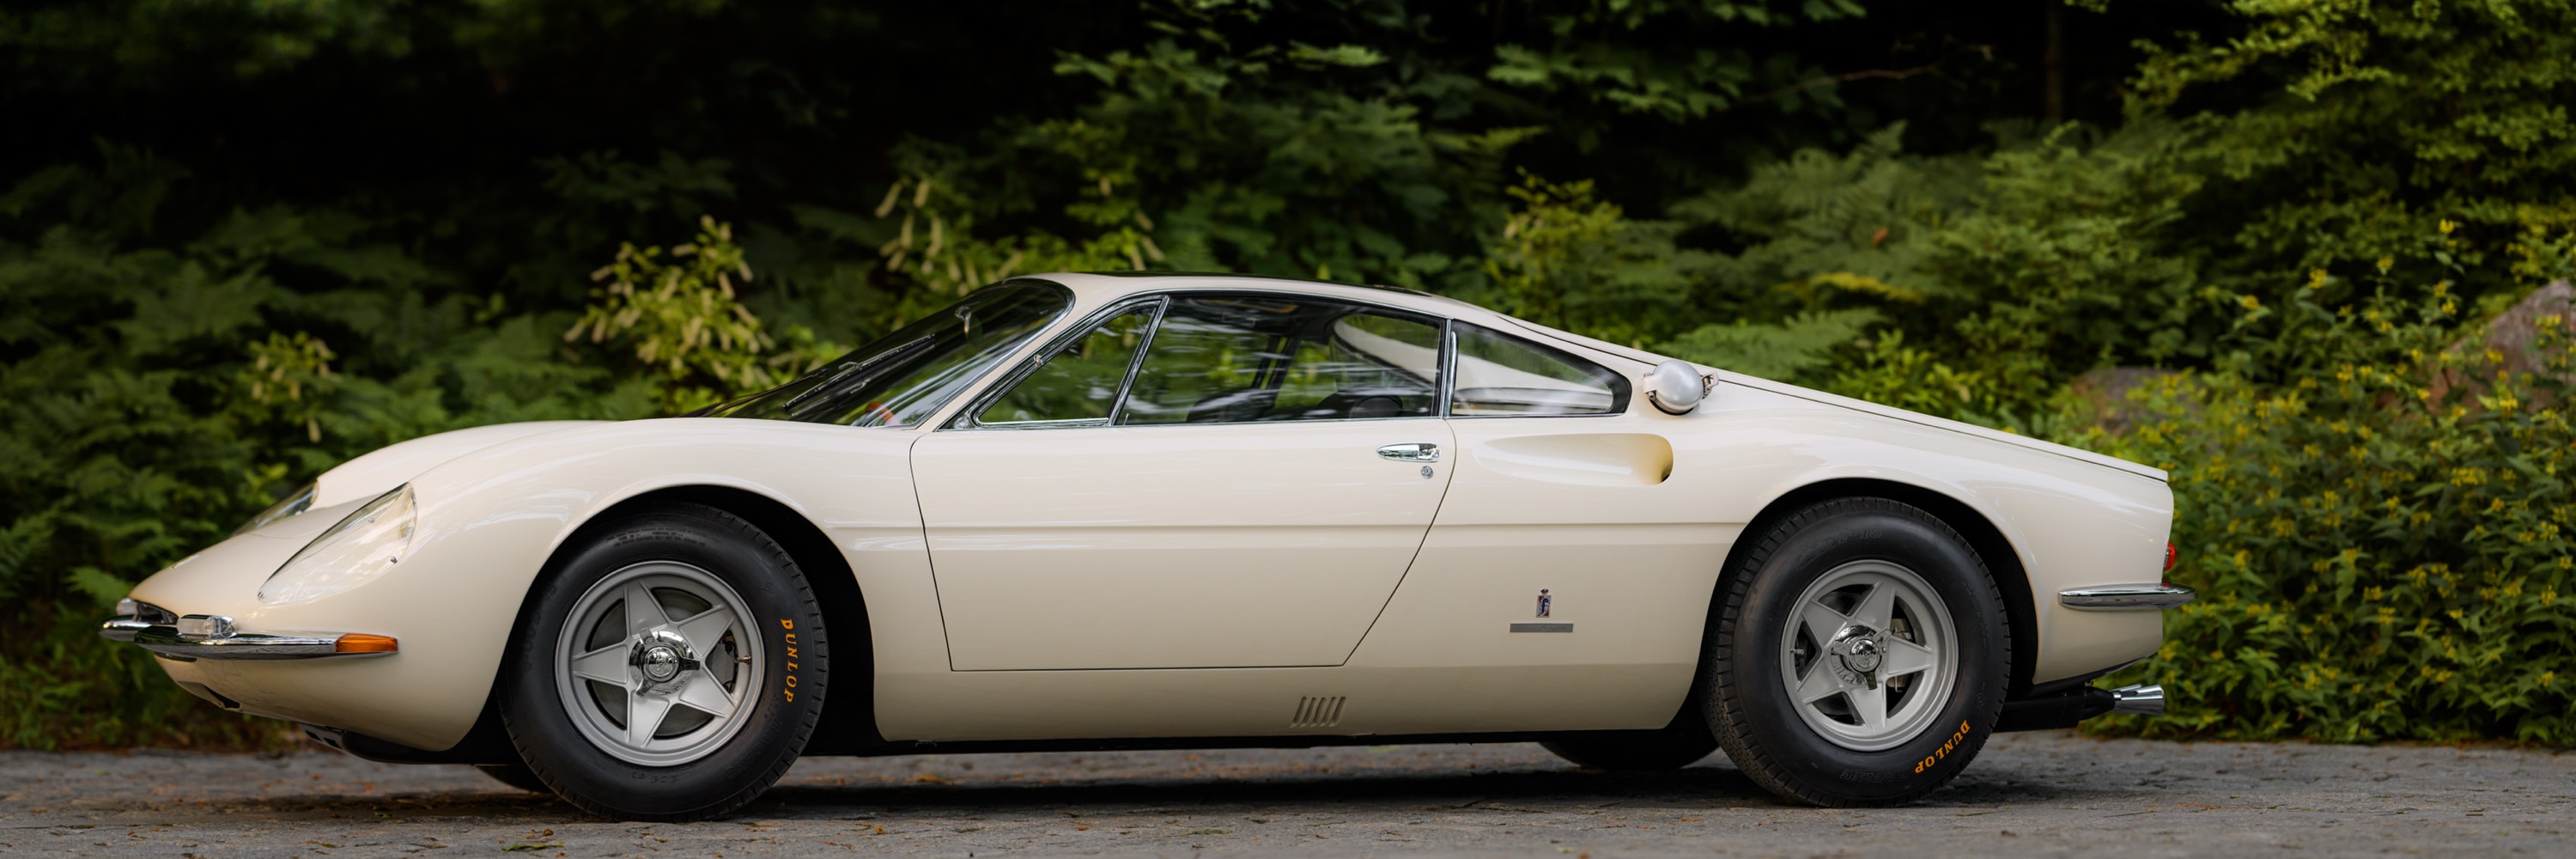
1317, 712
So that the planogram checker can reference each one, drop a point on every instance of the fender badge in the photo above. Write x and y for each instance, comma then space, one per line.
1545, 602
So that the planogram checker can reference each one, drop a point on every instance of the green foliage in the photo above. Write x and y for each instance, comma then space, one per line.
1653, 77
685, 323
168, 374
1790, 349
2370, 118
1575, 262
211, 289
2383, 546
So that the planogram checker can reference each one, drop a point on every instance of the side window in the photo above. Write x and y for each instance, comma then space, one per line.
1502, 375
1284, 358
1079, 383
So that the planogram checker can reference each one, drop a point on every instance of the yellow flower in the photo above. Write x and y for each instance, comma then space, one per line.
2386, 263
2317, 278
2250, 302
2447, 226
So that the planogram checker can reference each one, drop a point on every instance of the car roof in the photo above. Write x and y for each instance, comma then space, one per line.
1095, 289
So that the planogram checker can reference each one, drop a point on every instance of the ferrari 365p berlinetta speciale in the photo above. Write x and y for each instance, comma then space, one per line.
1170, 511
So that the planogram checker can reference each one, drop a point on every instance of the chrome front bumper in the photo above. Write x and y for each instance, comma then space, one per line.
200, 636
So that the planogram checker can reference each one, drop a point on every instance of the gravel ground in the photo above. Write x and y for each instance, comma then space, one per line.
2028, 794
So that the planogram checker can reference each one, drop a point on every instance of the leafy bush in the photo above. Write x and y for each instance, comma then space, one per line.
2384, 543
1753, 183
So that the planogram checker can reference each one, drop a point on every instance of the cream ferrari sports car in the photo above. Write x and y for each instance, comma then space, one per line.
1084, 511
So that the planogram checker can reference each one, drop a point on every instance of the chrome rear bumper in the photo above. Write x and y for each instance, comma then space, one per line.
2126, 597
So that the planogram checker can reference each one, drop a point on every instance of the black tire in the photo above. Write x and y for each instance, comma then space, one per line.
1672, 747
515, 775
785, 706
1750, 710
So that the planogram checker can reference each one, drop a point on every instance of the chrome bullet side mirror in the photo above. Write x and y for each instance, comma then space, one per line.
1676, 387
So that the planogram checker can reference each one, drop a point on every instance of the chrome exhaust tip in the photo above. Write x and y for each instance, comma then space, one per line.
2146, 699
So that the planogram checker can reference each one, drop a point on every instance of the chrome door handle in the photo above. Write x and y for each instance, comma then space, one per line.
1411, 451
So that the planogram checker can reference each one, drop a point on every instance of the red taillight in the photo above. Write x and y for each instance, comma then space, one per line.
2171, 557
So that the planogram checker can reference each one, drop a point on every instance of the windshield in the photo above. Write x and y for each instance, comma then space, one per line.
901, 378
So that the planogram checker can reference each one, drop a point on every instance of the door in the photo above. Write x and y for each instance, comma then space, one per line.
1248, 492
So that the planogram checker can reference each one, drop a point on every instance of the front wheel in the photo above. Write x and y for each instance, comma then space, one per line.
1859, 656
670, 668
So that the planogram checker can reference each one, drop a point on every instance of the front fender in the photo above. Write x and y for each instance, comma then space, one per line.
489, 521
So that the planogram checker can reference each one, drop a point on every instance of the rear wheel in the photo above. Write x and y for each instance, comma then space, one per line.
1859, 656
670, 669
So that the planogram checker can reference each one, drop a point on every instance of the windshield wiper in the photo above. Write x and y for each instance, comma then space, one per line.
850, 375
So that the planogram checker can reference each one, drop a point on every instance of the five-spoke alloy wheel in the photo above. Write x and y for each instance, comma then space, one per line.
1858, 654
1871, 657
670, 667
657, 664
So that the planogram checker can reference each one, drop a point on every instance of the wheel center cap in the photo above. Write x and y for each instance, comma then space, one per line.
1857, 649
660, 657
661, 663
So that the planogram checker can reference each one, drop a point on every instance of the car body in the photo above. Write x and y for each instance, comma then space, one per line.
1373, 569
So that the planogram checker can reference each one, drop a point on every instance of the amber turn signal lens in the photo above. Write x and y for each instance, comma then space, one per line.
359, 642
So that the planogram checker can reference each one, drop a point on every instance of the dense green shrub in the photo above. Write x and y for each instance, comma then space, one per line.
1872, 197
2385, 546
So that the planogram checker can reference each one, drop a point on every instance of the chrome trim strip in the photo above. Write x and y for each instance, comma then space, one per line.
1542, 627
122, 628
2126, 597
2146, 699
167, 641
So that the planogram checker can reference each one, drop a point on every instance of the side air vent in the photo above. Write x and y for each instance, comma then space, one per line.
1317, 712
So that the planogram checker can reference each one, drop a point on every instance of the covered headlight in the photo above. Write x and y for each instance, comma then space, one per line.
294, 503
363, 546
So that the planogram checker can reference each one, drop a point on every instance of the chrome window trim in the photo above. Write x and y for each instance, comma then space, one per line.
1389, 310
1136, 362
965, 419
993, 393
1448, 364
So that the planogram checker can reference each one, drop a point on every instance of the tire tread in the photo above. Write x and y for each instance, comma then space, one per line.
1728, 720
812, 716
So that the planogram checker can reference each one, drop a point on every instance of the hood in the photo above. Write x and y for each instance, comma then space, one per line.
384, 468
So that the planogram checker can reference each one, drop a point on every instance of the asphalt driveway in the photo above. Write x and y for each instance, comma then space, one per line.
2029, 794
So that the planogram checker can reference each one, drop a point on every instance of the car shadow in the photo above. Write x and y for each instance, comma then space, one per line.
1695, 786
1701, 787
